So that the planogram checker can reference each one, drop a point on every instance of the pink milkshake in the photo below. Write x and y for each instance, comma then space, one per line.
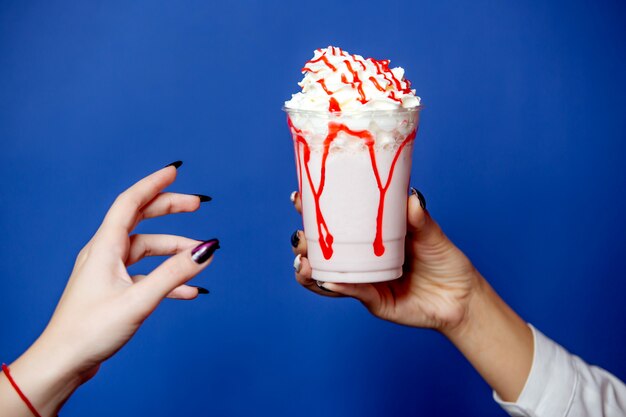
353, 127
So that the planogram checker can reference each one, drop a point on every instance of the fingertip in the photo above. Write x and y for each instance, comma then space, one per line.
204, 251
170, 171
175, 164
203, 198
303, 270
184, 292
416, 212
195, 203
420, 197
295, 199
298, 243
295, 239
322, 286
167, 175
332, 287
202, 290
297, 263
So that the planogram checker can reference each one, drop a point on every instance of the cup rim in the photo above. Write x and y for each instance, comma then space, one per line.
400, 110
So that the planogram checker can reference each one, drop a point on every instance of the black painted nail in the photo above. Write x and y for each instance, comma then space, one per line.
201, 253
175, 164
295, 239
321, 286
202, 290
203, 198
420, 197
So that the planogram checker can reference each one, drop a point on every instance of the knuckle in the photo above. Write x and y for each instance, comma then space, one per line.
83, 254
128, 199
121, 199
135, 239
170, 206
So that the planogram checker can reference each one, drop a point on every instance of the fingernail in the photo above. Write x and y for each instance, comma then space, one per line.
175, 164
203, 198
292, 197
295, 239
321, 286
202, 290
297, 263
201, 253
420, 197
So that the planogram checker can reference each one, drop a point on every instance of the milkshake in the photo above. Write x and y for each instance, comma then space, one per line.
353, 126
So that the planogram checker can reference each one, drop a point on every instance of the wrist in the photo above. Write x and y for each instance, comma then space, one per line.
69, 364
477, 300
46, 376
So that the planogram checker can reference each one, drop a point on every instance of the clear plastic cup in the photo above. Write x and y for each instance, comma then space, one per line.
353, 173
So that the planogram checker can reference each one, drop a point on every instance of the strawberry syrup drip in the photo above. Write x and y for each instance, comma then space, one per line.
305, 69
378, 86
325, 237
323, 84
355, 79
333, 105
359, 61
392, 95
324, 60
382, 68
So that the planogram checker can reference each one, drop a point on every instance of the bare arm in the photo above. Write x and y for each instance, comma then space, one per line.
496, 341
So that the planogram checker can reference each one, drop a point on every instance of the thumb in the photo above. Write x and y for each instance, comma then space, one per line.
177, 270
421, 228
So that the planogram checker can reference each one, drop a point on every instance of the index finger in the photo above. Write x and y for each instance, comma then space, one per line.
123, 213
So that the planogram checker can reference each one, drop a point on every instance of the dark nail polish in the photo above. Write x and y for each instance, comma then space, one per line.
175, 164
321, 286
295, 239
420, 197
203, 198
201, 253
202, 290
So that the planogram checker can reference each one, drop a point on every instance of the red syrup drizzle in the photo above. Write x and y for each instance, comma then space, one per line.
324, 60
382, 68
323, 84
333, 105
325, 237
378, 86
357, 80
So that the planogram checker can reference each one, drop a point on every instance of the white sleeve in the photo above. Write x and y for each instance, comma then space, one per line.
563, 385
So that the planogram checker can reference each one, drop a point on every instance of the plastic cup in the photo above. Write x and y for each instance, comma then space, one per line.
353, 172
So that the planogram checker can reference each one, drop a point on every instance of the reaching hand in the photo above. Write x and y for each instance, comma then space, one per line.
434, 290
103, 306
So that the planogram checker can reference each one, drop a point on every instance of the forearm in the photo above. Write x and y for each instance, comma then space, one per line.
496, 341
43, 375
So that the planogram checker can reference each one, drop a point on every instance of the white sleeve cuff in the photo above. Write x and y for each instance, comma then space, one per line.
551, 384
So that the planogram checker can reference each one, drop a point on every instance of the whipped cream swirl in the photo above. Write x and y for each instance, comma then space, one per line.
335, 80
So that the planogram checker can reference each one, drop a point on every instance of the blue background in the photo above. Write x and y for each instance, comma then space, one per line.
520, 155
